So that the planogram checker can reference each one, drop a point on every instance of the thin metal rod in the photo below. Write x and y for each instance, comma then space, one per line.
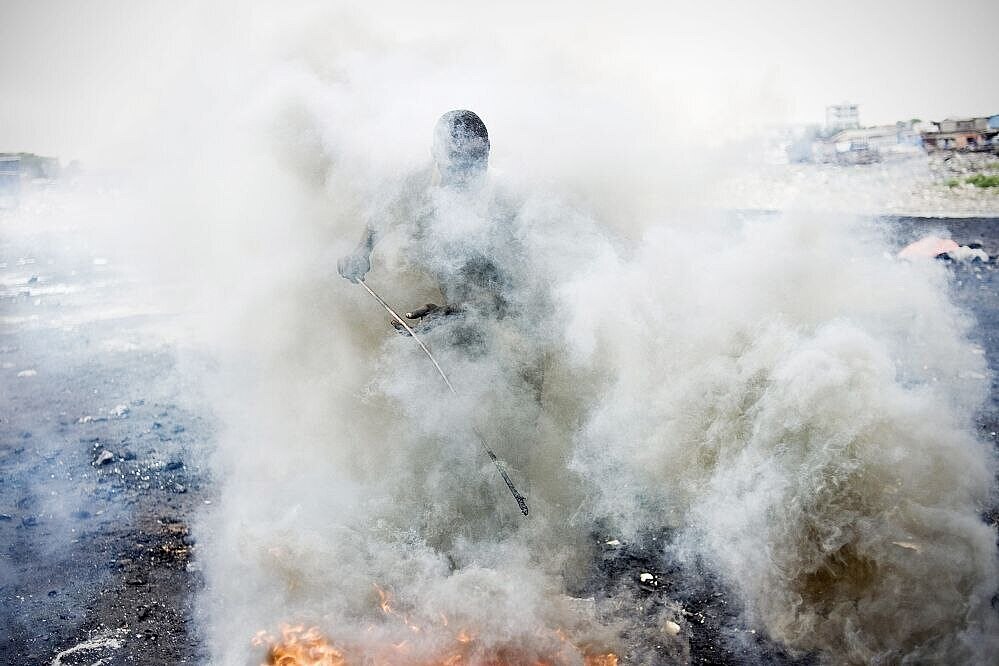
521, 500
411, 332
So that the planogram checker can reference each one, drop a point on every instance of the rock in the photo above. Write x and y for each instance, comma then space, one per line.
613, 543
648, 581
103, 458
908, 545
29, 521
671, 628
27, 373
178, 488
81, 514
6, 516
173, 465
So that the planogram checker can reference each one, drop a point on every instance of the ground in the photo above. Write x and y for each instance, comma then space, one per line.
96, 485
101, 469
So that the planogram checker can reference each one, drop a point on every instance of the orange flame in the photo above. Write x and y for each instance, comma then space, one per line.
298, 646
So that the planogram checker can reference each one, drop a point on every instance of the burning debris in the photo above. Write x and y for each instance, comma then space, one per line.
437, 642
298, 646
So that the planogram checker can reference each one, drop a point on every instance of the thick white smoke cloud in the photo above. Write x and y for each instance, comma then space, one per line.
798, 404
802, 406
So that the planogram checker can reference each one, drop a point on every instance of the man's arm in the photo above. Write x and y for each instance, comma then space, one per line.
400, 206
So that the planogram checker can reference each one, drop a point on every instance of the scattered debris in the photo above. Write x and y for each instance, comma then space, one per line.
927, 247
648, 581
134, 579
103, 458
102, 642
934, 247
968, 253
908, 545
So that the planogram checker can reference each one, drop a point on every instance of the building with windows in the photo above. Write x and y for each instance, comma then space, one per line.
964, 134
864, 145
841, 117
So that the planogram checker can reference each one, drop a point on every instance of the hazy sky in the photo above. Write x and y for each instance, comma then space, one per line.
80, 79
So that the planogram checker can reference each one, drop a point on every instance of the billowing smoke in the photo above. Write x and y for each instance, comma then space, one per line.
803, 409
790, 403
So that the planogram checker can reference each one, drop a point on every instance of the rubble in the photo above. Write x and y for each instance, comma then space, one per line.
103, 457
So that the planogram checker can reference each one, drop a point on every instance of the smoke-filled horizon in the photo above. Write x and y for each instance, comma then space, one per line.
788, 401
92, 82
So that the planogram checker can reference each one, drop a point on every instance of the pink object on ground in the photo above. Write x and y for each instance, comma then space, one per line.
928, 247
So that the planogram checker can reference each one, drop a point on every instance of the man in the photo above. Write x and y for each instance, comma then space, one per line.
458, 234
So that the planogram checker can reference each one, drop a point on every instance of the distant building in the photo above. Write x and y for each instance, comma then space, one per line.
18, 169
964, 134
865, 145
841, 117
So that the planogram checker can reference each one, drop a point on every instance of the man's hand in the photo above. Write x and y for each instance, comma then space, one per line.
427, 315
417, 314
354, 266
420, 313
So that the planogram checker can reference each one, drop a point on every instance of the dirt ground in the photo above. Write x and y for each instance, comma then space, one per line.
96, 483
101, 472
